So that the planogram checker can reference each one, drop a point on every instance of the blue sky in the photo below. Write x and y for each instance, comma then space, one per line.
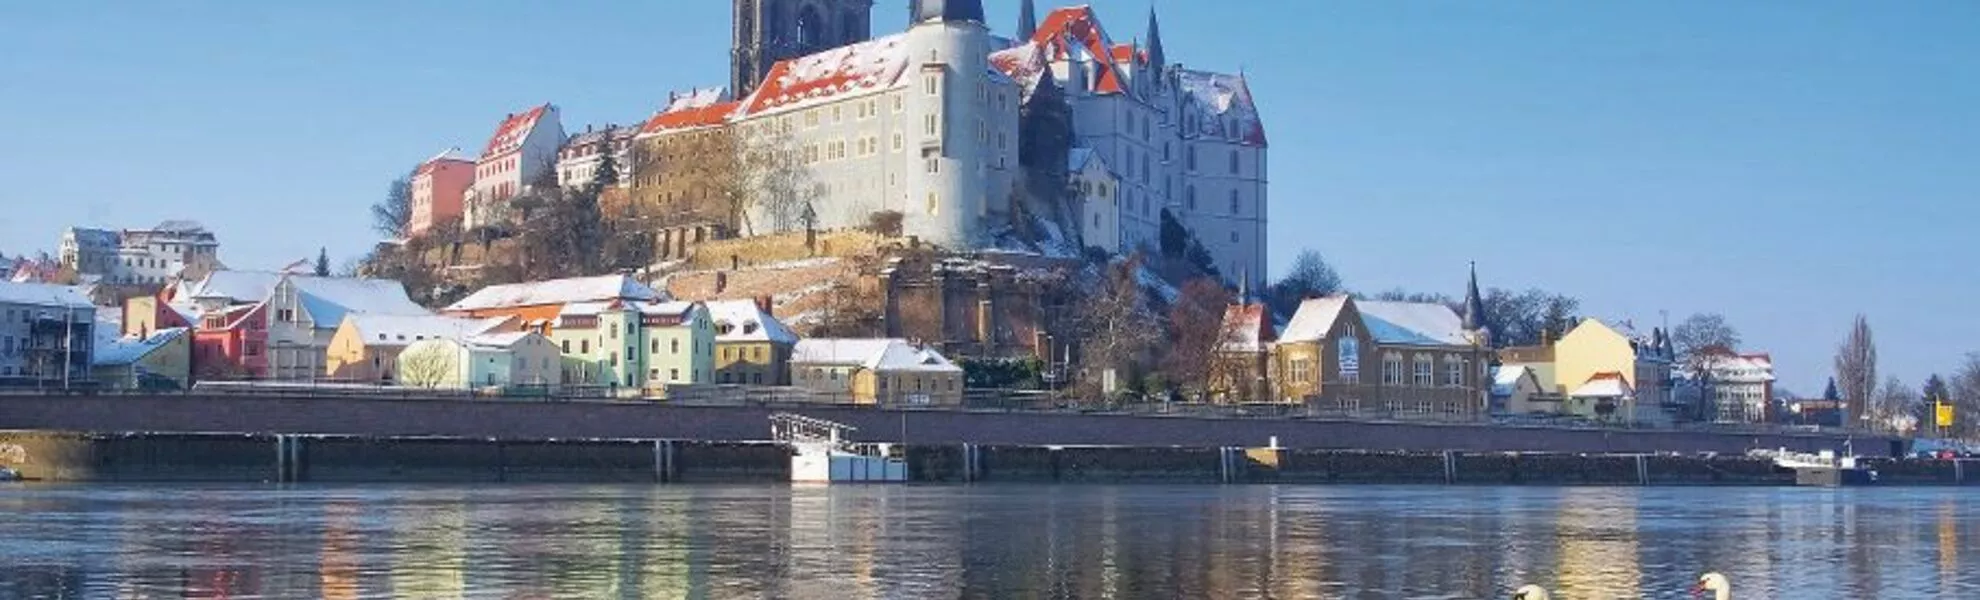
1786, 163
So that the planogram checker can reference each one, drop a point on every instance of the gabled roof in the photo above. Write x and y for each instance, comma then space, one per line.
1077, 159
697, 98
1246, 328
449, 156
497, 341
328, 300
689, 117
1025, 63
400, 330
1224, 104
1604, 385
513, 130
125, 350
1074, 32
874, 354
1505, 379
1412, 323
746, 322
603, 288
865, 67
1314, 318
679, 310
232, 286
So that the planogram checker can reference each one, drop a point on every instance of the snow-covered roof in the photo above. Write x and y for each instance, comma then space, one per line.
697, 98
400, 330
1604, 385
682, 310
85, 236
1314, 318
180, 226
744, 321
1505, 379
43, 294
498, 340
1074, 33
1077, 158
111, 350
452, 155
601, 135
1246, 328
513, 130
603, 288
329, 299
1025, 64
1224, 106
1412, 323
874, 354
233, 286
689, 117
865, 67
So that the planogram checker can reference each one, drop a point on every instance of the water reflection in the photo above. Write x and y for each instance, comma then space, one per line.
976, 542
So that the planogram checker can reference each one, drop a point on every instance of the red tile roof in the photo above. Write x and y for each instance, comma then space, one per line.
513, 130
871, 65
1079, 25
689, 118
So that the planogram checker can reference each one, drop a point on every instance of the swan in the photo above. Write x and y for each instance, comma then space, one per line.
1718, 585
1531, 592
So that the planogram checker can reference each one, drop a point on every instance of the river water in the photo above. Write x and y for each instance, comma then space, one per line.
986, 541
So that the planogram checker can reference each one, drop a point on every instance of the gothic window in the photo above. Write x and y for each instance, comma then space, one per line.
1453, 370
1392, 369
1423, 372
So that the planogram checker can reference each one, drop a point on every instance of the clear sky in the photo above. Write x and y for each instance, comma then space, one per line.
1787, 163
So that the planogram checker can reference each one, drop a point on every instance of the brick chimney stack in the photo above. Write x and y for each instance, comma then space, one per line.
763, 304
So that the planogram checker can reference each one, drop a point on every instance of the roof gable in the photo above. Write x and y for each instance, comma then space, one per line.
744, 321
328, 300
513, 131
1224, 106
1075, 33
1314, 319
400, 330
1246, 328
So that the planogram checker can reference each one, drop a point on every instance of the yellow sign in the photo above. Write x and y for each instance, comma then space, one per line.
1944, 414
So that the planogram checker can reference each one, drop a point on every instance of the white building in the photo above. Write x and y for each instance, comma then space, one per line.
915, 122
523, 149
1741, 386
1186, 140
1097, 195
578, 160
141, 256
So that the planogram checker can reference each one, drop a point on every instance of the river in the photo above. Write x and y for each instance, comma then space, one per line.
992, 541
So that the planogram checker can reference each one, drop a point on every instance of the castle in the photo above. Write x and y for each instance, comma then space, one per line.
958, 135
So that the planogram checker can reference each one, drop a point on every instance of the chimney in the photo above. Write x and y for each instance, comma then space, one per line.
763, 304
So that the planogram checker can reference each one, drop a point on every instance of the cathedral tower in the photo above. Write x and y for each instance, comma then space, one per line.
767, 31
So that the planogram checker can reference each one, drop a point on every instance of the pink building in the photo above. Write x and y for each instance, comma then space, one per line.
522, 151
439, 190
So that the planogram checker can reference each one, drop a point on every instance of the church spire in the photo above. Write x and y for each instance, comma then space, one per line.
1157, 61
1027, 21
1474, 305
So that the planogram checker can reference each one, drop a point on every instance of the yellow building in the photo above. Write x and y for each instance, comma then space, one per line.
366, 347
1594, 361
162, 360
875, 371
751, 346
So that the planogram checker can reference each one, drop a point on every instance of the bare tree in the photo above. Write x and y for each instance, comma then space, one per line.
428, 365
1703, 342
390, 216
1196, 332
1895, 408
1530, 317
845, 310
764, 175
1964, 393
1856, 371
1117, 330
1702, 331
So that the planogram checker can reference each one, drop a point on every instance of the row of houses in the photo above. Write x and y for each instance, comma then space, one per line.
609, 332
1425, 360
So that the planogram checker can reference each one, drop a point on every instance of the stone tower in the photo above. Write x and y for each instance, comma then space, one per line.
767, 31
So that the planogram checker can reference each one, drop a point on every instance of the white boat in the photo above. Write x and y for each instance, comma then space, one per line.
822, 454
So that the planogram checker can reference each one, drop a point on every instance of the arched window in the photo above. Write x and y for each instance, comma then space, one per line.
1392, 369
1424, 372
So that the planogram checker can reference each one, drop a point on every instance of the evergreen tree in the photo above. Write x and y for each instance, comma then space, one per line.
1831, 393
322, 262
607, 174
